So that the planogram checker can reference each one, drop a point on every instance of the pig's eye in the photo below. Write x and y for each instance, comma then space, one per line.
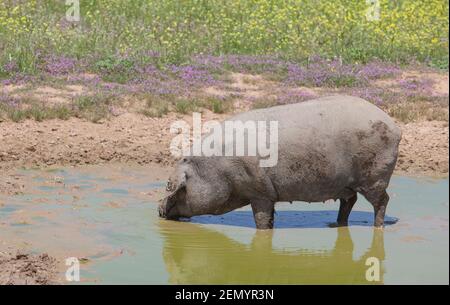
169, 185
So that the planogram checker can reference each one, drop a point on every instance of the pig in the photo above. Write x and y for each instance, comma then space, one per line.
328, 148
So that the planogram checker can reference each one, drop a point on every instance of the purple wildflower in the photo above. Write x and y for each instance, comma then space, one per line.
9, 100
193, 75
373, 95
321, 72
18, 79
417, 85
109, 86
11, 67
377, 70
295, 96
59, 65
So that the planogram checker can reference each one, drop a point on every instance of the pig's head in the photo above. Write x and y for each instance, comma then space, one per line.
196, 187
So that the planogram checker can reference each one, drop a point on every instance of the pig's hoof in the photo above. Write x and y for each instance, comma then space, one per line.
266, 226
338, 224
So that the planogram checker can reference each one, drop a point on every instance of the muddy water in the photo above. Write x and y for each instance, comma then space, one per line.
107, 217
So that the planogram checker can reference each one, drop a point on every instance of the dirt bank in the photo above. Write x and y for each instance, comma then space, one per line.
424, 149
27, 269
127, 138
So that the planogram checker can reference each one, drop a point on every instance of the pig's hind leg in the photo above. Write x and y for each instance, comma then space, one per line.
378, 197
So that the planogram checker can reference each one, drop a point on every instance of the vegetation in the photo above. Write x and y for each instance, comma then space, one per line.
172, 31
162, 55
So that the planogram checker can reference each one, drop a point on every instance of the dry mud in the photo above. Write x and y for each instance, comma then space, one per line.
27, 269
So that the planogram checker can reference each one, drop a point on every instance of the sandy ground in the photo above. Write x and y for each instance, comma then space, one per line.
424, 149
127, 138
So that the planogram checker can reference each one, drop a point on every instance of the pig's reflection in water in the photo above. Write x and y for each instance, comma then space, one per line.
194, 254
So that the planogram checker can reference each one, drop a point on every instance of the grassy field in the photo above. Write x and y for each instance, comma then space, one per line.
172, 31
163, 53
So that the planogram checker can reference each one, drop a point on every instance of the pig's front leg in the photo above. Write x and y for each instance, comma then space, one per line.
263, 211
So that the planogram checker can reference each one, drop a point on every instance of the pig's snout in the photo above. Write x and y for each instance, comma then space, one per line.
167, 210
162, 209
162, 212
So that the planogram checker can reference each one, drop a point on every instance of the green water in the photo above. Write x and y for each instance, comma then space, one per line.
113, 224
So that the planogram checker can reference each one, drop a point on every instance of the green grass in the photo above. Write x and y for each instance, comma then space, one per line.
185, 106
117, 70
155, 106
264, 103
36, 112
219, 105
115, 38
112, 35
93, 108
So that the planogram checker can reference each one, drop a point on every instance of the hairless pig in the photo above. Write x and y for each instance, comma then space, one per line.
328, 148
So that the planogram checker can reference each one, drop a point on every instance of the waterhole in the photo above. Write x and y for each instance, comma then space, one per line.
107, 217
